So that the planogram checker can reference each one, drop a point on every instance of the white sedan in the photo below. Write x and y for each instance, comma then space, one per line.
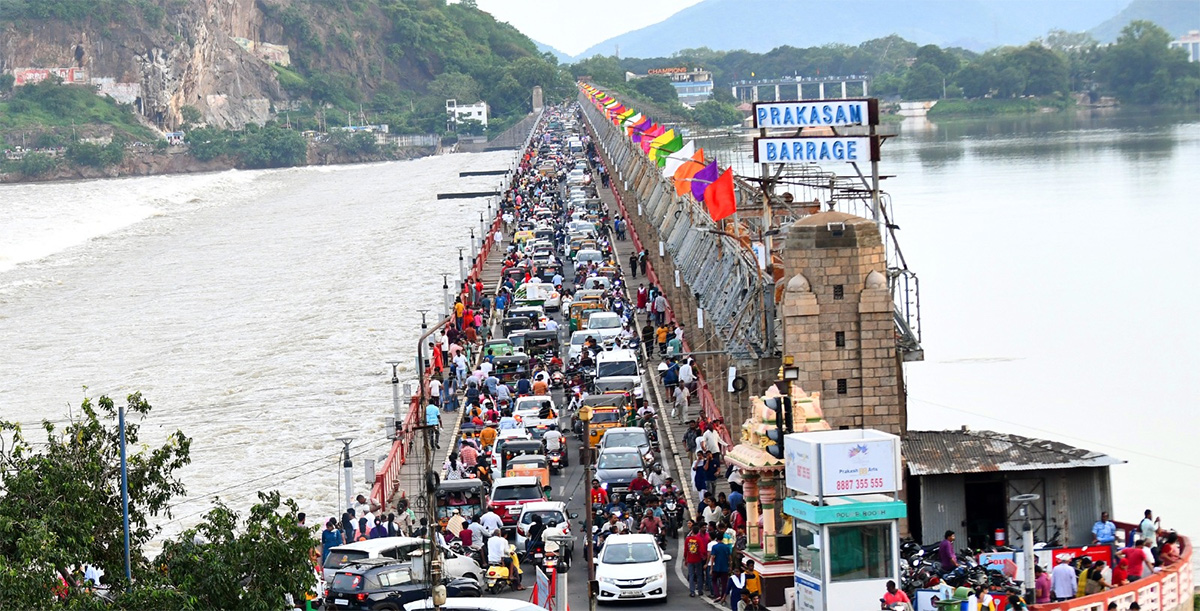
631, 567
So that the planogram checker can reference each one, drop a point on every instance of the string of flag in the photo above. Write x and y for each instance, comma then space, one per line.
683, 163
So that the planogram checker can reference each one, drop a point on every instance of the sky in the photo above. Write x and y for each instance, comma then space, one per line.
571, 26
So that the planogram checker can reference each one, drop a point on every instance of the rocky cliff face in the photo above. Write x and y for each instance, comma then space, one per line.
187, 58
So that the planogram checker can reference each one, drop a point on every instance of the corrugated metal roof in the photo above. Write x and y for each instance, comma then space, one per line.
966, 451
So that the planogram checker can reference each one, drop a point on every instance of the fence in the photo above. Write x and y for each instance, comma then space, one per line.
1168, 590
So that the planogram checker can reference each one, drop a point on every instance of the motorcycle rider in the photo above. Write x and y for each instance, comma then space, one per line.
639, 483
656, 477
536, 530
553, 441
598, 494
669, 487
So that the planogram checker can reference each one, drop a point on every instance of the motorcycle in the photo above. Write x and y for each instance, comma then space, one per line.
674, 510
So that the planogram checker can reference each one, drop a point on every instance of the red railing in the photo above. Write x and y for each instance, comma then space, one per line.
1167, 590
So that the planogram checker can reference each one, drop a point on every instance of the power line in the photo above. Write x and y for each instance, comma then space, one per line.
1058, 433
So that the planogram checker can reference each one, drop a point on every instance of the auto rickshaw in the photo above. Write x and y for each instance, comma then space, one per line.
513, 323
580, 311
541, 342
466, 495
513, 448
498, 347
608, 411
536, 465
508, 368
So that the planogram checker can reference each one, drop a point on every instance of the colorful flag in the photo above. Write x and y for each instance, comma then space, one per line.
674, 160
658, 142
720, 198
703, 178
683, 176
656, 130
667, 148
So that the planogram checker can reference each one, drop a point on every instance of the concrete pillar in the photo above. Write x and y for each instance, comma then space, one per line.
754, 93
777, 93
750, 496
767, 492
734, 91
864, 87
821, 91
843, 90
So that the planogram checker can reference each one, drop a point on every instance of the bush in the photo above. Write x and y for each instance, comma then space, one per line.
272, 147
36, 164
716, 114
95, 155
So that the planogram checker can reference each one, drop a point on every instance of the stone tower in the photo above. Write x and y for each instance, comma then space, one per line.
838, 323
537, 98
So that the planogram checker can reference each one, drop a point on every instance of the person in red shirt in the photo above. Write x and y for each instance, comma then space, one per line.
695, 554
894, 598
640, 483
1137, 559
1120, 572
599, 495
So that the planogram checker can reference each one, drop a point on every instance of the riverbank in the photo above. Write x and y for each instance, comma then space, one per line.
991, 107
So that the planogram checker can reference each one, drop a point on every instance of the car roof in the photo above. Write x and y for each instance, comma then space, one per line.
380, 544
626, 429
620, 450
619, 354
521, 480
629, 538
363, 565
544, 506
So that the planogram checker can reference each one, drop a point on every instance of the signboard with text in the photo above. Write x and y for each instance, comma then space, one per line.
816, 113
816, 149
808, 593
800, 456
865, 466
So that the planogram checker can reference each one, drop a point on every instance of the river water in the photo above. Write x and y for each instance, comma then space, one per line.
255, 310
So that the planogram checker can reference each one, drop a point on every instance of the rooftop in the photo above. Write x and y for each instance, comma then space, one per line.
967, 451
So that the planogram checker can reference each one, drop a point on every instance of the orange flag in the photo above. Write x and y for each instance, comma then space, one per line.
686, 171
720, 198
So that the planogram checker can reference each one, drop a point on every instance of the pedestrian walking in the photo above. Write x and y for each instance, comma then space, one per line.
633, 265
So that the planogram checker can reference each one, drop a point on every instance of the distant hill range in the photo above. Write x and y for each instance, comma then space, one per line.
761, 25
542, 47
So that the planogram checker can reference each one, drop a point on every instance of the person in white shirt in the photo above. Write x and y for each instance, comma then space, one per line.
478, 534
712, 441
497, 549
553, 440
656, 478
491, 522
1064, 584
486, 368
686, 374
552, 325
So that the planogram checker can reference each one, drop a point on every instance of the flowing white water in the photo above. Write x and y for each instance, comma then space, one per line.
254, 310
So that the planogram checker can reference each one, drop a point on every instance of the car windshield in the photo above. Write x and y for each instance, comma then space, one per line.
619, 460
339, 558
629, 553
578, 339
629, 439
549, 515
604, 322
347, 582
605, 416
616, 368
517, 493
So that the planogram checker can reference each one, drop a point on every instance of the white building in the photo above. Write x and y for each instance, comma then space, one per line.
692, 85
1189, 42
456, 112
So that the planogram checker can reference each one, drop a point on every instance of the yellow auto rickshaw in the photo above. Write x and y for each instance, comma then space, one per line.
532, 465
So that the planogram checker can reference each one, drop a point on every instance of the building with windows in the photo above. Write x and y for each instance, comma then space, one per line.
456, 112
693, 85
1189, 42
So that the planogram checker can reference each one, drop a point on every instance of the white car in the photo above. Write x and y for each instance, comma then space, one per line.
554, 516
475, 604
529, 406
631, 567
604, 325
399, 548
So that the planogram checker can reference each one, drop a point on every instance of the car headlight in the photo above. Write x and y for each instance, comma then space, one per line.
609, 580
658, 576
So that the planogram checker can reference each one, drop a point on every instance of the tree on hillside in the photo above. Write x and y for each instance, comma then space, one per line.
62, 501
1045, 71
603, 70
924, 82
945, 61
658, 89
455, 86
1142, 69
976, 79
716, 114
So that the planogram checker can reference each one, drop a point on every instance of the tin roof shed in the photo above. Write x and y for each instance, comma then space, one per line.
967, 451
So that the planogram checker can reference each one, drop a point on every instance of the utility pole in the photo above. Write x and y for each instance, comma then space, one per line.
462, 269
124, 495
445, 296
397, 423
348, 468
768, 286
585, 452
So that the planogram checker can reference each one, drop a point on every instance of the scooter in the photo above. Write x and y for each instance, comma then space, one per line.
674, 511
557, 460
498, 576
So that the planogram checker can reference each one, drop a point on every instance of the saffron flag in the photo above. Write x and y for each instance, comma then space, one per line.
683, 175
703, 178
672, 162
655, 131
720, 198
657, 143
667, 148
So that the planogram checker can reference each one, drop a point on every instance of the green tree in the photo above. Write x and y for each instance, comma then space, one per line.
658, 89
1045, 71
924, 82
1010, 81
191, 115
95, 155
207, 143
716, 114
6, 82
227, 563
62, 500
455, 86
976, 79
1141, 68
605, 70
36, 164
272, 147
933, 54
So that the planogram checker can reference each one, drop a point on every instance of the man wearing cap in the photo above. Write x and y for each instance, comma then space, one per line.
456, 523
1063, 581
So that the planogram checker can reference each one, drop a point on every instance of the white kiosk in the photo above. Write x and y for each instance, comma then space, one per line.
842, 496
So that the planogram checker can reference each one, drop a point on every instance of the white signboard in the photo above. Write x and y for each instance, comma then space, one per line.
859, 467
814, 149
808, 594
815, 113
800, 456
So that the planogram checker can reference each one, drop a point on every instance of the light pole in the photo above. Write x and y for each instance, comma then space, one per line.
445, 296
462, 270
396, 398
585, 451
1027, 542
348, 467
124, 491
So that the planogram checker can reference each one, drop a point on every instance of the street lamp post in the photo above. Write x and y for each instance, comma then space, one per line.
585, 452
396, 397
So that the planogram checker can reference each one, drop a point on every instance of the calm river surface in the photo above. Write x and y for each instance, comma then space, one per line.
256, 309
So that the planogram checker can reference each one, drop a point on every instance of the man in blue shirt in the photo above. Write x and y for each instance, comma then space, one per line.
1104, 532
433, 418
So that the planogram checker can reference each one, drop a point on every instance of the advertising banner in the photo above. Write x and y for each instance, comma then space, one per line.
800, 457
859, 467
808, 594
